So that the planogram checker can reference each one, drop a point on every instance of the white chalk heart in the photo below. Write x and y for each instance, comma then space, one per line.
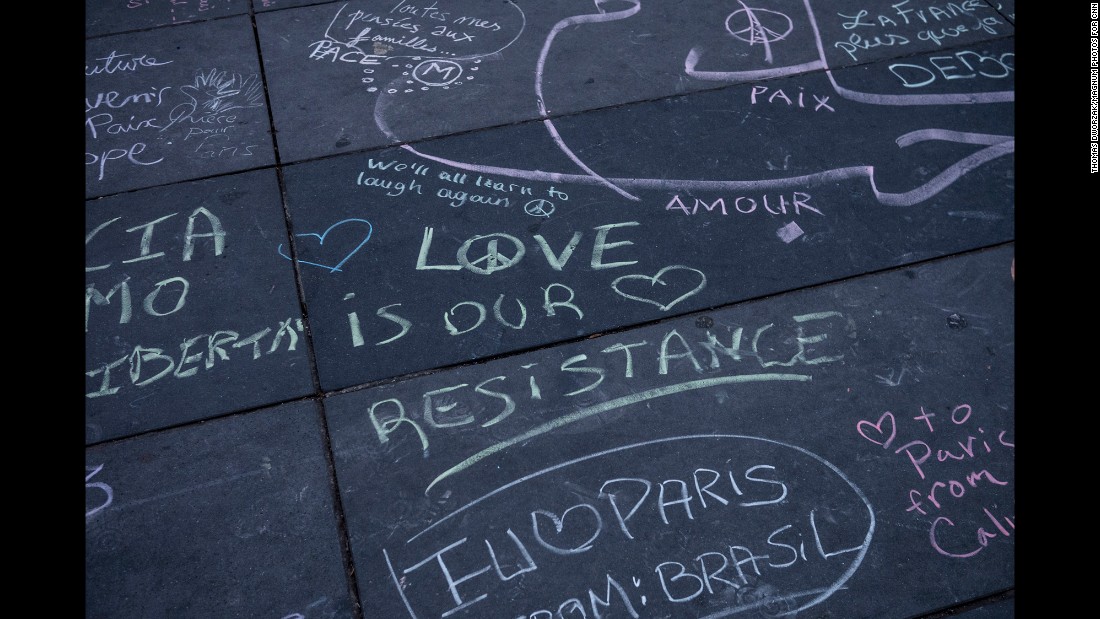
655, 280
559, 524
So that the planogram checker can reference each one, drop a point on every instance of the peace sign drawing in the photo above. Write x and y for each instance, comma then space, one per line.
770, 32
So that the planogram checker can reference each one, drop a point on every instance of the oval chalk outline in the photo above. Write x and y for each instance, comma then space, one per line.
825, 593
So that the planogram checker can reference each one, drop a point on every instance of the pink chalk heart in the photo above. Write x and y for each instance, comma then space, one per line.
636, 284
341, 247
863, 424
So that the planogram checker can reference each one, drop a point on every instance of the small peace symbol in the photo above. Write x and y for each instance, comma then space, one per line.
539, 208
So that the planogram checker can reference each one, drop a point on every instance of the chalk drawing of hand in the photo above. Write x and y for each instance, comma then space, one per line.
909, 162
219, 91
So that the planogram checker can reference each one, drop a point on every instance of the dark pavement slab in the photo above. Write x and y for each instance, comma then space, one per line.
530, 309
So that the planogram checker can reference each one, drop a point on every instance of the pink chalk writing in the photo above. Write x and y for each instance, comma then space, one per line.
959, 468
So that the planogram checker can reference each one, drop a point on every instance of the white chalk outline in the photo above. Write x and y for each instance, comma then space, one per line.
612, 404
825, 592
549, 124
996, 145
